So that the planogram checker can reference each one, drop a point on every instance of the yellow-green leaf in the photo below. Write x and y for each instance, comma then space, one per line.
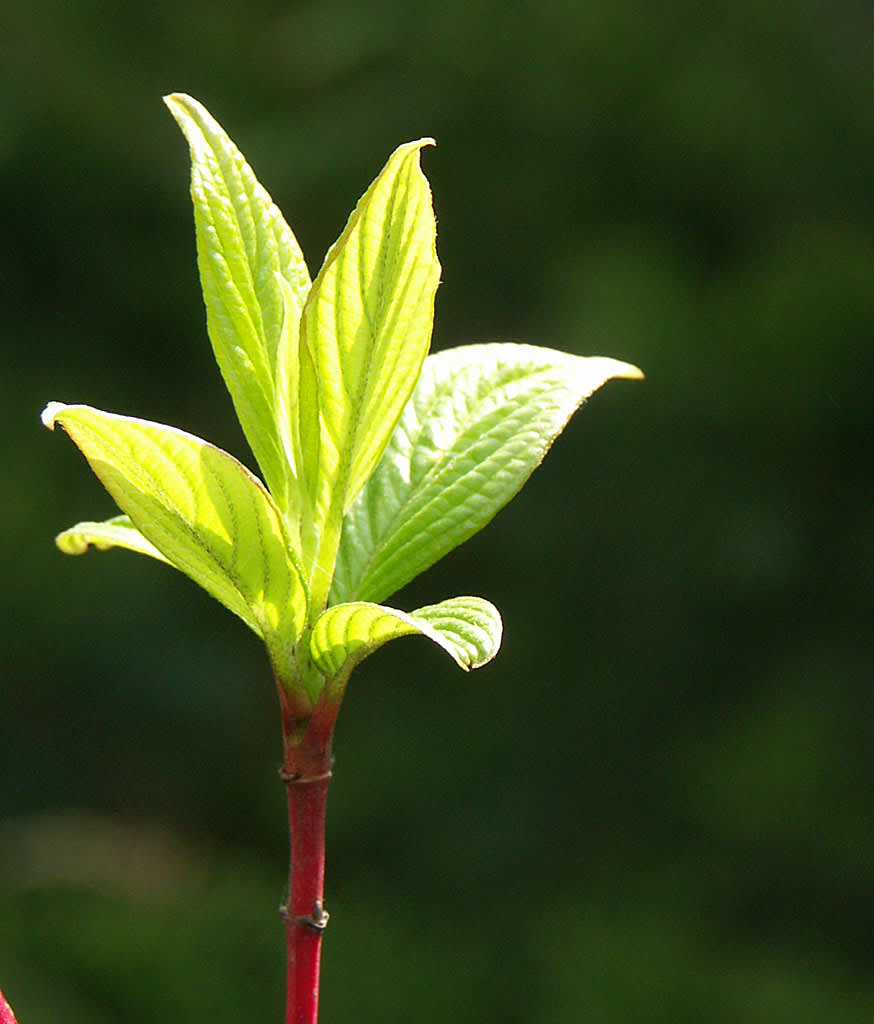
202, 510
244, 248
480, 421
467, 628
365, 331
118, 532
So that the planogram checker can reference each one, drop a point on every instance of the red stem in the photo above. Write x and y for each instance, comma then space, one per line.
6, 1014
306, 772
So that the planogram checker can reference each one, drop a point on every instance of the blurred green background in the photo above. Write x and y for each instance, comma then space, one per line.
655, 806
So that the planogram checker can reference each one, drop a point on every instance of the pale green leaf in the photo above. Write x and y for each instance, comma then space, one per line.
244, 249
366, 328
118, 532
480, 421
467, 628
202, 510
471, 625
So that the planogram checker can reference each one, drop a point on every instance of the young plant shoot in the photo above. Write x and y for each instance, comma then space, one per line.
376, 459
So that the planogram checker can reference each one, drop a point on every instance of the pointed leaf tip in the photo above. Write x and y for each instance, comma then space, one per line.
619, 370
51, 413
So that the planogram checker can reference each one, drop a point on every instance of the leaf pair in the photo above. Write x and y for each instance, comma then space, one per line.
318, 373
377, 460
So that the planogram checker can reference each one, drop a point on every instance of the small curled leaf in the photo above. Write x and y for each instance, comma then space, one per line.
467, 628
118, 532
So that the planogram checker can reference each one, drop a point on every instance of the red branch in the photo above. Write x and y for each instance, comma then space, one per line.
6, 1014
306, 772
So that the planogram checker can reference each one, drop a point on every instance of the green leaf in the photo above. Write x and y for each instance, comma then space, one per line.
480, 421
202, 510
118, 532
467, 628
288, 413
365, 331
245, 250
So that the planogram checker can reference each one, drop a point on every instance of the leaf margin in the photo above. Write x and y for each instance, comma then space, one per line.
276, 630
238, 226
344, 429
332, 632
366, 542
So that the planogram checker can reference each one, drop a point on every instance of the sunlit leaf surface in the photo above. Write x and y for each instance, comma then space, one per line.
365, 332
202, 510
243, 246
467, 628
480, 421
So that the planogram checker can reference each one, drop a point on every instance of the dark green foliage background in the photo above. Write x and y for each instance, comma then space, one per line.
656, 804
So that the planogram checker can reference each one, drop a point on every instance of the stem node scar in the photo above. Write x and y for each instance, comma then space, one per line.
317, 919
293, 778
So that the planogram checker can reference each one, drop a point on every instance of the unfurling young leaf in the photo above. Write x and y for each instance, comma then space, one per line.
467, 628
118, 532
